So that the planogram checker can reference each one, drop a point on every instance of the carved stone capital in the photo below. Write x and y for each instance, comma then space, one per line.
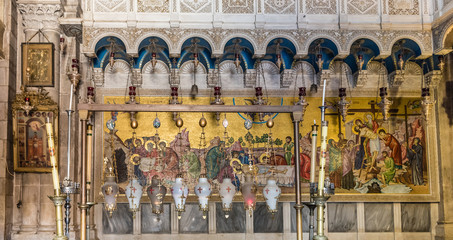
98, 75
137, 78
212, 78
40, 16
360, 78
174, 78
287, 77
433, 78
396, 78
324, 74
250, 78
72, 29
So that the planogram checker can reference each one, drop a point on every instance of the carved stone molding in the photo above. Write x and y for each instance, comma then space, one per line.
360, 78
98, 75
137, 78
250, 78
324, 74
72, 30
259, 38
396, 78
433, 78
175, 80
212, 78
287, 77
40, 16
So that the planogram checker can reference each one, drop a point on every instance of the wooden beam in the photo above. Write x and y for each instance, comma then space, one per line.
188, 108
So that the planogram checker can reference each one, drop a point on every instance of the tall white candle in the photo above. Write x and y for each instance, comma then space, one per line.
322, 161
53, 160
314, 136
70, 97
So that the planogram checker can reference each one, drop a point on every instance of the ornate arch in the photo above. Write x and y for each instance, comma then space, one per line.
197, 35
279, 35
369, 37
238, 35
313, 38
399, 37
165, 38
92, 45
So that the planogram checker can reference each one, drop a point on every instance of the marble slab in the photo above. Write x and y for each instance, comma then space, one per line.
235, 223
305, 219
152, 223
192, 220
378, 217
415, 217
342, 217
120, 222
265, 222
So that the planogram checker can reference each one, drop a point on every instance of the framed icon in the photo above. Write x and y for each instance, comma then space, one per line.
37, 64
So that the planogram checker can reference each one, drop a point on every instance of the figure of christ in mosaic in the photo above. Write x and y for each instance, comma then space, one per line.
368, 152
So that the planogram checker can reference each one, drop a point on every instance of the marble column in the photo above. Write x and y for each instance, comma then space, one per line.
37, 212
444, 109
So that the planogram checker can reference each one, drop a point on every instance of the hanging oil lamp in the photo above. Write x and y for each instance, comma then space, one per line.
227, 191
110, 190
302, 101
237, 60
427, 104
179, 192
249, 193
271, 193
259, 100
385, 103
174, 100
133, 193
132, 100
279, 61
343, 104
360, 61
90, 95
156, 193
203, 191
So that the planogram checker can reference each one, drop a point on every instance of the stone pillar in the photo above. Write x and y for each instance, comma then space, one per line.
8, 64
444, 229
37, 212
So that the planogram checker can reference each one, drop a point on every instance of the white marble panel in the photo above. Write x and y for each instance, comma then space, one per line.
342, 217
120, 222
379, 217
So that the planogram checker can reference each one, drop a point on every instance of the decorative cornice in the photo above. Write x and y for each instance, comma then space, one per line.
40, 16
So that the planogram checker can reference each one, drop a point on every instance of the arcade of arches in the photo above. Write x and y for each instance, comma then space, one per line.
391, 169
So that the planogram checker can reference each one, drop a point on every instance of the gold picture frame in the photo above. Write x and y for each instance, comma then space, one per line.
38, 58
30, 139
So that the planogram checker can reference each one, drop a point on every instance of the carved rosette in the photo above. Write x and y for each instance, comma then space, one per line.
41, 16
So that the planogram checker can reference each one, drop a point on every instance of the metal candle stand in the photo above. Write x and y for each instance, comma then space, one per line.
68, 187
319, 201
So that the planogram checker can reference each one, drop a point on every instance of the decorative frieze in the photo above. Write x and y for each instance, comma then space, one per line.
40, 16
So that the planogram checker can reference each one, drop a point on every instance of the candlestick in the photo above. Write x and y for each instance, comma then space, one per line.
323, 100
53, 160
314, 136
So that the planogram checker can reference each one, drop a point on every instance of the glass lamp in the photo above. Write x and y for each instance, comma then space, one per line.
271, 193
110, 191
249, 193
179, 191
203, 191
133, 194
227, 191
156, 193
